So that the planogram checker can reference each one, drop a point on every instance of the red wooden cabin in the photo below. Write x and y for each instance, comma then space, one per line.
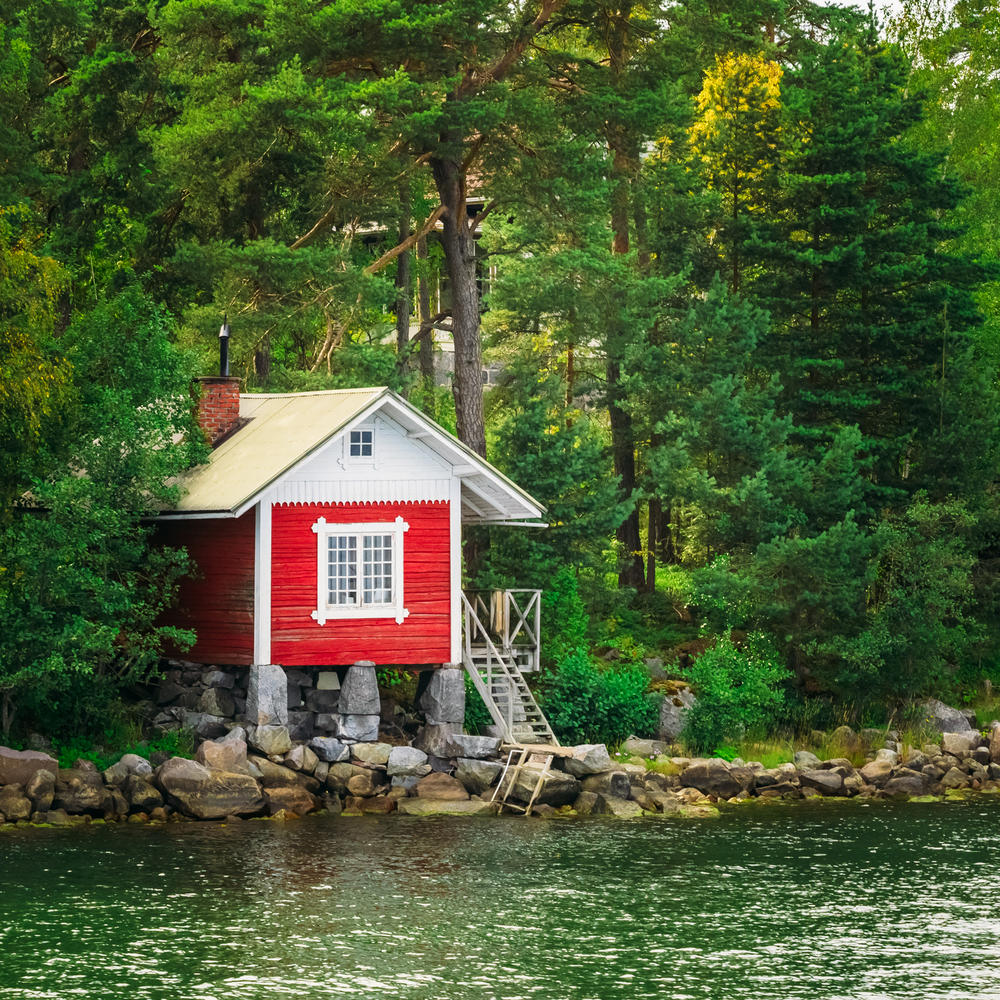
327, 529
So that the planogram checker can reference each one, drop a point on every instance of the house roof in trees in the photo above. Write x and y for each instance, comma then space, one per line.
281, 431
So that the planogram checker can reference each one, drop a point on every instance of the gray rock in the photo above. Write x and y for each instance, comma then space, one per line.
271, 775
371, 753
271, 739
477, 775
890, 756
168, 692
340, 774
204, 726
116, 774
267, 695
141, 795
300, 677
942, 718
17, 766
614, 783
441, 788
712, 777
225, 755
41, 790
610, 805
409, 781
954, 778
81, 792
585, 803
359, 692
805, 761
322, 701
14, 804
327, 680
406, 761
845, 737
904, 786
300, 725
871, 737
435, 807
644, 748
330, 750
136, 764
357, 728
673, 714
588, 758
654, 665
205, 794
436, 740
824, 782
236, 734
557, 789
321, 771
876, 772
995, 742
958, 744
301, 758
480, 747
443, 701
217, 701
293, 696
217, 679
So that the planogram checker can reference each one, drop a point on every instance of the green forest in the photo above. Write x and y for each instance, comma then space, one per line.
731, 267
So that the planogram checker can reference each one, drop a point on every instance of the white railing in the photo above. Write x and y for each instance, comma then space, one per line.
494, 668
515, 618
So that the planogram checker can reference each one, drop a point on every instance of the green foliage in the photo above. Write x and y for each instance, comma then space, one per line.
176, 742
585, 703
564, 617
737, 690
476, 712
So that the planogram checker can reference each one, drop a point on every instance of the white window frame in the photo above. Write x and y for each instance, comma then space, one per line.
372, 459
324, 610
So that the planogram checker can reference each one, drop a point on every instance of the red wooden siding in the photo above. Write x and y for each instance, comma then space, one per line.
218, 603
424, 637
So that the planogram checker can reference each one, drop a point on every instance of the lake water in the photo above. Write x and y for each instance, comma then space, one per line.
807, 901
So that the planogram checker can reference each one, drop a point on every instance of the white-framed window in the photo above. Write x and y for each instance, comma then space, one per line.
359, 570
361, 443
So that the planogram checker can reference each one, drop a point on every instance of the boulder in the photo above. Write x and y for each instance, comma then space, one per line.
217, 679
436, 740
294, 695
824, 782
322, 701
958, 744
995, 742
197, 791
905, 786
329, 749
844, 736
339, 775
441, 788
327, 680
437, 807
272, 775
876, 772
322, 770
588, 758
443, 701
227, 755
41, 790
372, 753
140, 794
81, 792
379, 805
644, 748
357, 728
953, 778
301, 758
477, 776
17, 766
558, 788
889, 756
119, 804
217, 701
942, 718
365, 784
291, 799
406, 761
746, 776
116, 774
359, 692
271, 739
234, 734
711, 777
267, 695
673, 714
610, 805
871, 738
168, 691
479, 747
14, 804
585, 803
614, 783
301, 725
664, 801
804, 760
204, 726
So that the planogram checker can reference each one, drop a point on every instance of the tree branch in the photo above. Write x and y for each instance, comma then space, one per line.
387, 258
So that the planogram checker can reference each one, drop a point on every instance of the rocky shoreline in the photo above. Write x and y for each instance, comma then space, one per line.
327, 776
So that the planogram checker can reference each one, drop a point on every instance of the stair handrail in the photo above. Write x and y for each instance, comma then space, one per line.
474, 625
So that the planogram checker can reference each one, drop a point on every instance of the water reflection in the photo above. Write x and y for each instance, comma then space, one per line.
828, 902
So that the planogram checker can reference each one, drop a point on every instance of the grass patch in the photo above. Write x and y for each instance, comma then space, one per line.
177, 742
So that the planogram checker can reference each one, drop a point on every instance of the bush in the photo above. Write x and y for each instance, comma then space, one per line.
585, 703
737, 691
476, 712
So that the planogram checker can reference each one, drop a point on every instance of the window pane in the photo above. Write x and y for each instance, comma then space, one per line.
356, 444
377, 574
366, 443
342, 569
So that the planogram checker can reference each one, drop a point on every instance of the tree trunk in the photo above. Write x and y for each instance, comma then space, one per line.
652, 541
403, 288
460, 255
424, 314
633, 573
665, 536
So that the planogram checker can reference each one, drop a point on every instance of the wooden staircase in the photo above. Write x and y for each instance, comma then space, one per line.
501, 685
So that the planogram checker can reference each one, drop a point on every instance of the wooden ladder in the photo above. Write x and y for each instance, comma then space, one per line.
534, 749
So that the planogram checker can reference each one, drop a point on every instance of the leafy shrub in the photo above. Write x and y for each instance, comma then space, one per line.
476, 712
176, 742
737, 691
585, 703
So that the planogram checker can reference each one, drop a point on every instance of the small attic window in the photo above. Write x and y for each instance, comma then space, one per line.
362, 444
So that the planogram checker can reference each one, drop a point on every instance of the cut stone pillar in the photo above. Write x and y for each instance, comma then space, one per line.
444, 700
267, 695
359, 693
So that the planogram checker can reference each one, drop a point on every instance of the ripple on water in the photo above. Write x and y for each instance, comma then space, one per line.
815, 903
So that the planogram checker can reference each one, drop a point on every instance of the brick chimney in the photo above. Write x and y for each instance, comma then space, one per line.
218, 398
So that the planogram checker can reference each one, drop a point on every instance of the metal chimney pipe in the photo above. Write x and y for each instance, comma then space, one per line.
224, 348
